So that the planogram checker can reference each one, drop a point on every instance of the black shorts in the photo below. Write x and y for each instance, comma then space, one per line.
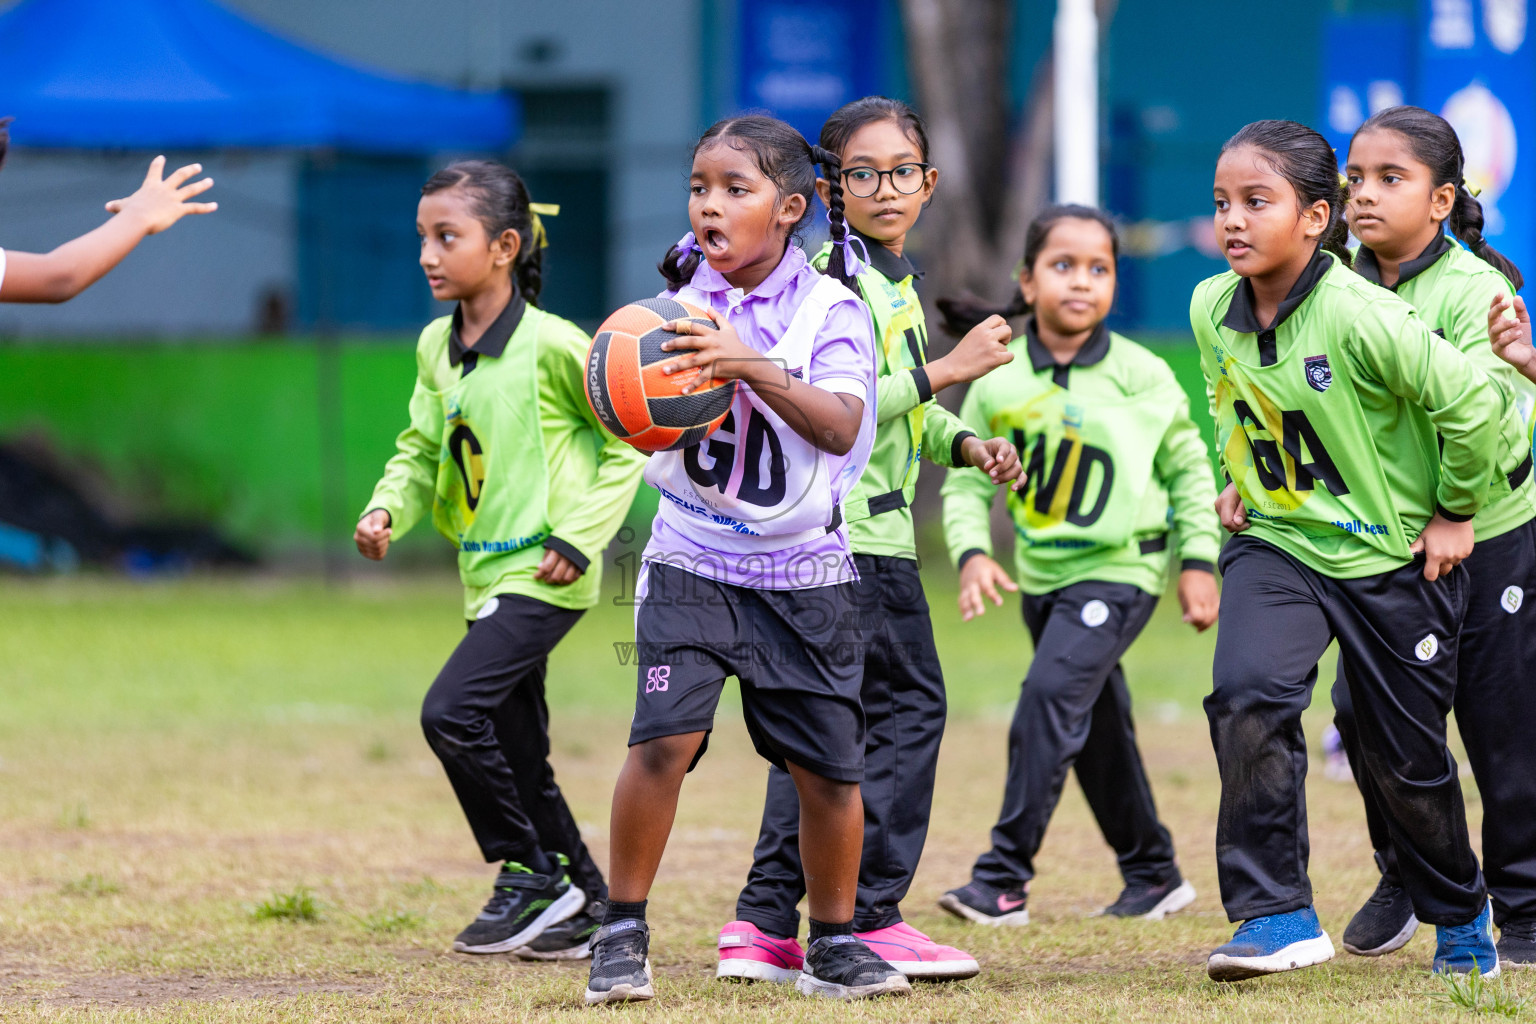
799, 655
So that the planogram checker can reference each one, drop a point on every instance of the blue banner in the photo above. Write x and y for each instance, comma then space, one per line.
802, 60
1367, 66
1476, 70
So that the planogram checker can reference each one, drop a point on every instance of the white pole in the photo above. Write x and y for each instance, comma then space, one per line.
1077, 102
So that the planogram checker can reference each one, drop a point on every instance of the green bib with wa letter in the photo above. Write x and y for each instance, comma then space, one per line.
1089, 466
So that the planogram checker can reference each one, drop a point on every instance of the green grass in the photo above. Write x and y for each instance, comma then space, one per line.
172, 755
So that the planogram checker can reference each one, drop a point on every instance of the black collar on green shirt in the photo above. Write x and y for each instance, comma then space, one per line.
895, 268
493, 342
1242, 318
1369, 268
1093, 351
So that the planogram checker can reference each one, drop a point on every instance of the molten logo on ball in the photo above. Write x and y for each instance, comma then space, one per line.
630, 395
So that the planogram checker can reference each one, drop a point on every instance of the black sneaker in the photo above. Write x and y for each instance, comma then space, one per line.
621, 964
1153, 902
842, 967
571, 939
1384, 924
522, 906
987, 904
1517, 943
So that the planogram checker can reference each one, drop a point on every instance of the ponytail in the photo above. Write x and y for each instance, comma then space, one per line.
832, 166
1435, 145
1336, 238
1466, 223
961, 314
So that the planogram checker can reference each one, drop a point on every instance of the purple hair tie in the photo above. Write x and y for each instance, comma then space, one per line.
688, 243
850, 263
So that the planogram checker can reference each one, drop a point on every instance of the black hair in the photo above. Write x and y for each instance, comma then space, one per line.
1435, 145
499, 201
786, 159
1304, 159
850, 117
961, 314
5, 137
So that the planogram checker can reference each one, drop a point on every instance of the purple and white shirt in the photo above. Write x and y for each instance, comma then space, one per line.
751, 505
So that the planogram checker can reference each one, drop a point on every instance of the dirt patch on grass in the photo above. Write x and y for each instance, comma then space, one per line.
23, 984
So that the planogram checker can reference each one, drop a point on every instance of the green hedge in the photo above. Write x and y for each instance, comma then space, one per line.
231, 433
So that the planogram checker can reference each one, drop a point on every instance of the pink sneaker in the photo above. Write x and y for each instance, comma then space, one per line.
747, 954
917, 956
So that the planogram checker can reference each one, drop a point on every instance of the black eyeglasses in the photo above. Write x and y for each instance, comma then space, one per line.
864, 182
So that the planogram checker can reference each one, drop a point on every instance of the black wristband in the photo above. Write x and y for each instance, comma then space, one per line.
560, 547
1449, 516
966, 556
1197, 565
956, 456
924, 387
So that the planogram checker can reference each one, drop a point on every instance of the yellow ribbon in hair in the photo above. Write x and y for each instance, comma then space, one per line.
535, 210
1343, 181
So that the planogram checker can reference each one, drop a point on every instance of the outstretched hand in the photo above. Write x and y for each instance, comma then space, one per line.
161, 202
1511, 339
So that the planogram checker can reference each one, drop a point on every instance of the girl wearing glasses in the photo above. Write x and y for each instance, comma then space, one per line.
886, 183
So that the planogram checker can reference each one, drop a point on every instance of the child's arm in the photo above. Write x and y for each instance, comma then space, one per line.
983, 349
1183, 465
74, 266
585, 532
967, 496
830, 420
1466, 407
947, 441
410, 478
1511, 339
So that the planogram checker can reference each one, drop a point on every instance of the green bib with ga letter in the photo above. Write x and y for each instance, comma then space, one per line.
1297, 445
1089, 465
492, 478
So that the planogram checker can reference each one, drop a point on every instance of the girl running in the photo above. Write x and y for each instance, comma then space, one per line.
504, 450
60, 275
1405, 190
1359, 446
748, 571
1113, 464
886, 181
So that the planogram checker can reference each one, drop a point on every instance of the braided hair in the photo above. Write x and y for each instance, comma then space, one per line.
1304, 159
1435, 145
784, 158
499, 201
961, 314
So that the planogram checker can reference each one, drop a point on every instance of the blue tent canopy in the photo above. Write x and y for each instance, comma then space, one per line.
190, 74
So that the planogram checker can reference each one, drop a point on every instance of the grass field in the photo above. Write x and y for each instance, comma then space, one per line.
174, 756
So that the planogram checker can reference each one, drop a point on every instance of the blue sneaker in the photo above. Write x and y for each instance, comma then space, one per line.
1270, 945
1464, 948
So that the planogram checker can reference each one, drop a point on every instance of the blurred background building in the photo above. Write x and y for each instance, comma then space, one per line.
168, 383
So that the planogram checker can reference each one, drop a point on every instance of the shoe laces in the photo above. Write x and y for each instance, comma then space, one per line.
1524, 930
1387, 893
1251, 927
622, 951
1470, 934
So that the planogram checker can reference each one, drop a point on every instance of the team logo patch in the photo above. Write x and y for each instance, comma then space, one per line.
1426, 648
657, 678
1319, 373
1095, 613
489, 608
1512, 599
